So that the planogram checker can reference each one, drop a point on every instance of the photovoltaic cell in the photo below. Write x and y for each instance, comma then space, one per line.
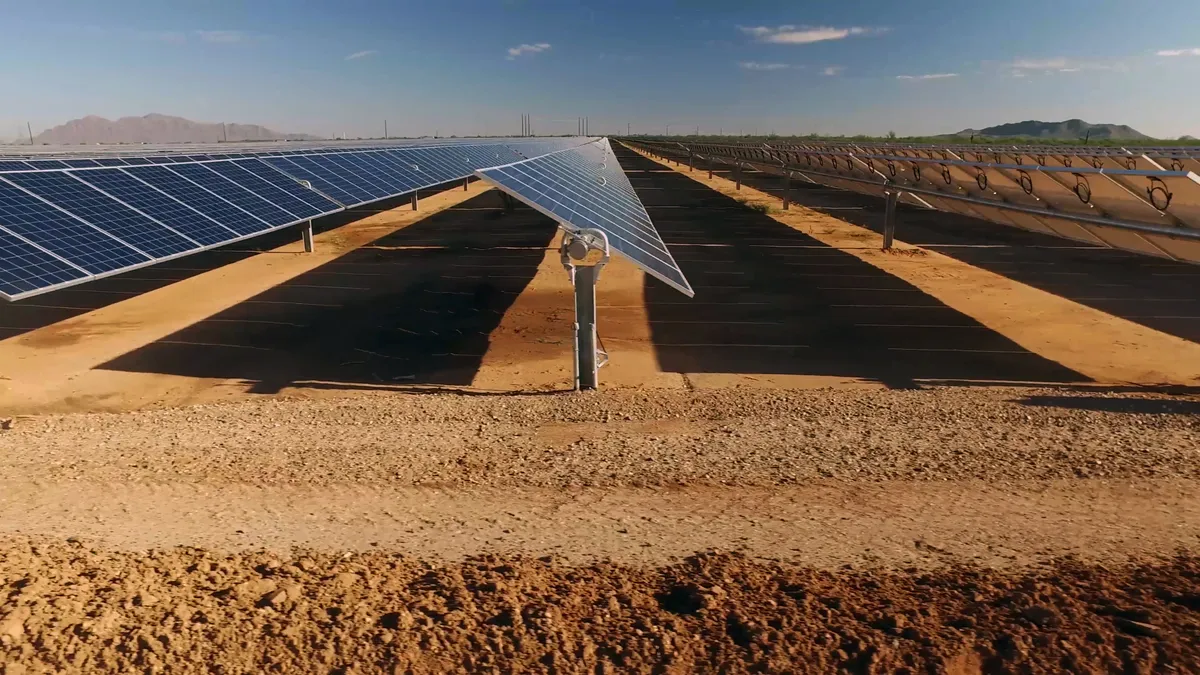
584, 187
13, 165
158, 205
23, 214
122, 222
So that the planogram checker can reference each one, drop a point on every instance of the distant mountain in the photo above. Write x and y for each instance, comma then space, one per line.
1187, 138
1068, 130
155, 128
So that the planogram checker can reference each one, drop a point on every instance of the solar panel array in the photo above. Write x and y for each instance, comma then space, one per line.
1108, 199
67, 220
584, 188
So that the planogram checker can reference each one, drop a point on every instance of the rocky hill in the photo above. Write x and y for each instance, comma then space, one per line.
1065, 131
155, 128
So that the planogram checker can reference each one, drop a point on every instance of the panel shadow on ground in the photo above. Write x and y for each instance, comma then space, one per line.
414, 307
772, 300
1154, 292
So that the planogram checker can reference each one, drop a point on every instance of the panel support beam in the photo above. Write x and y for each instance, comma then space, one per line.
414, 200
306, 233
737, 175
787, 190
466, 183
889, 219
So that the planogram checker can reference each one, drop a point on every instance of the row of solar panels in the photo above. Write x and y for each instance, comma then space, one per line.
9, 163
1045, 156
949, 150
1154, 212
65, 225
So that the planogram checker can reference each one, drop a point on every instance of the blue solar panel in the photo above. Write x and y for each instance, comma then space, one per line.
84, 201
70, 219
198, 198
584, 187
322, 178
45, 164
358, 172
392, 174
288, 184
96, 252
285, 199
158, 205
234, 194
25, 268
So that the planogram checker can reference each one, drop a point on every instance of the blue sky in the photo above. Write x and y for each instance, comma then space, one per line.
472, 66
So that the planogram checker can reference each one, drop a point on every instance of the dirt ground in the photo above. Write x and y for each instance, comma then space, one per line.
832, 460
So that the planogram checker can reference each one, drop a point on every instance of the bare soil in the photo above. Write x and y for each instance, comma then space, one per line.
73, 609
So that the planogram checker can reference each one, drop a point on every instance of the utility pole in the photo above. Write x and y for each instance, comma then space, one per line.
224, 134
385, 135
668, 129
30, 130
628, 126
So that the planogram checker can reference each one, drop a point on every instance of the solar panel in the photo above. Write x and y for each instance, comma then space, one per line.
54, 230
89, 204
272, 191
25, 268
158, 205
195, 196
584, 187
240, 197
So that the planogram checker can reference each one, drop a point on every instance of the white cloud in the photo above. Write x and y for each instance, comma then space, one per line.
802, 35
833, 71
361, 55
930, 76
755, 65
1194, 51
1023, 67
223, 36
514, 52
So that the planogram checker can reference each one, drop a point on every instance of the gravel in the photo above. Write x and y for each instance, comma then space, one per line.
624, 438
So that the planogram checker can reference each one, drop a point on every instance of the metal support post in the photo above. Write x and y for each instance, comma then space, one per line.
306, 233
710, 167
414, 201
586, 368
787, 190
889, 219
737, 175
466, 182
576, 247
691, 166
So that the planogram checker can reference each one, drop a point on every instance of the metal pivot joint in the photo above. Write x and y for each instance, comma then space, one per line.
583, 266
